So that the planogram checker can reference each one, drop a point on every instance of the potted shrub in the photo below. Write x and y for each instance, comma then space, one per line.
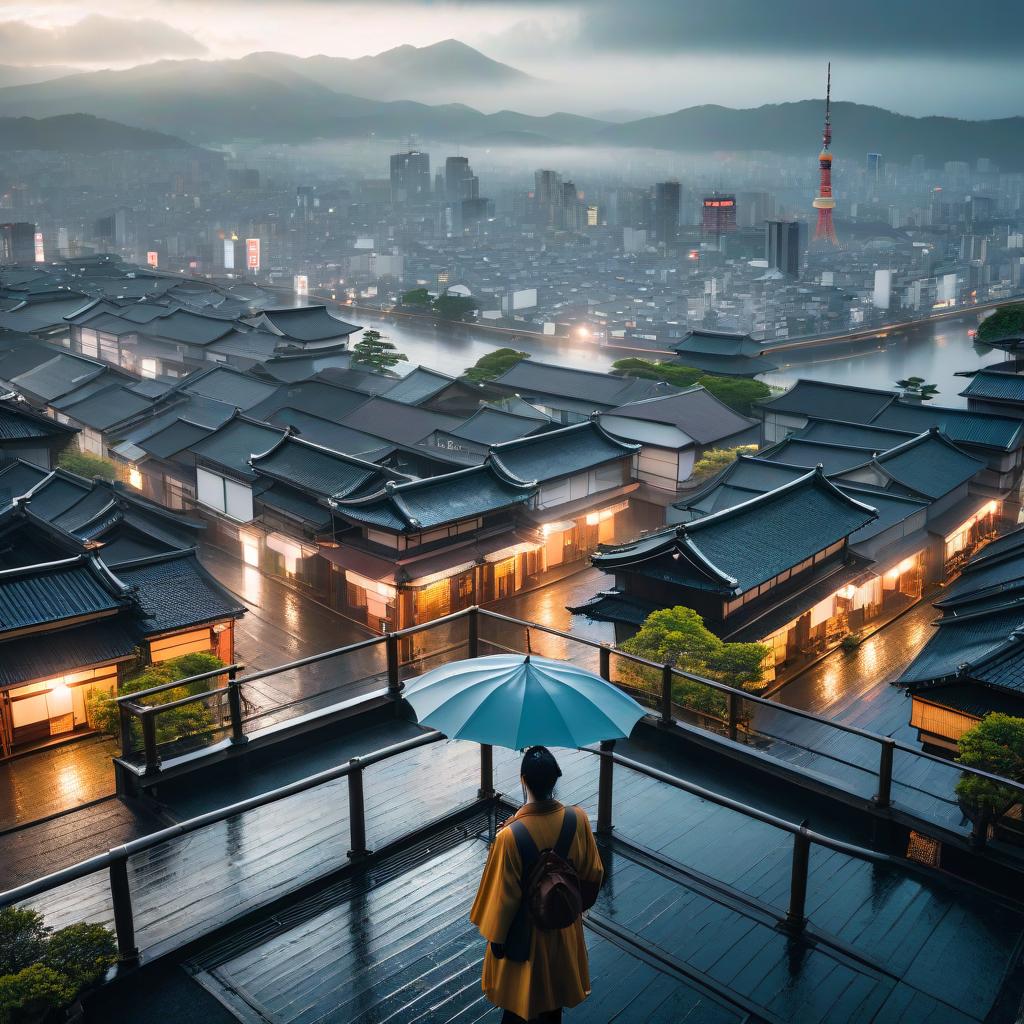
42, 972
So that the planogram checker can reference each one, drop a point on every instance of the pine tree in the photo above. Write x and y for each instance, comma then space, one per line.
373, 350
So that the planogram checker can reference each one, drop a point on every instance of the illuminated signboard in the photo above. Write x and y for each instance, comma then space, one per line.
301, 284
153, 258
719, 202
40, 254
229, 254
252, 253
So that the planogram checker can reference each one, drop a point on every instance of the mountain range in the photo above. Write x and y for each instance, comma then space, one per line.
81, 133
277, 97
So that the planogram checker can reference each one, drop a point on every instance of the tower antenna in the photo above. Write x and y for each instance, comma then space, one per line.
824, 202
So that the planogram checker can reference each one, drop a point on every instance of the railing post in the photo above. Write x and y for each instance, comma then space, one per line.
604, 657
394, 666
604, 789
235, 707
796, 916
883, 798
124, 919
148, 716
125, 717
666, 694
486, 790
734, 715
473, 633
356, 811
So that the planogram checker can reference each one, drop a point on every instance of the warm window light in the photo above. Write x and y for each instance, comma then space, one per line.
906, 565
135, 478
593, 519
847, 593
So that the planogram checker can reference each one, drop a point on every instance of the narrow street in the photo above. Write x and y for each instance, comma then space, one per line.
855, 687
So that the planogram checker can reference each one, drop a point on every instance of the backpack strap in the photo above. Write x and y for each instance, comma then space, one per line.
528, 852
567, 834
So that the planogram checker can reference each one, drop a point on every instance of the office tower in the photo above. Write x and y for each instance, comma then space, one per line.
666, 212
882, 293
875, 168
782, 246
459, 181
719, 215
823, 201
17, 243
754, 208
410, 177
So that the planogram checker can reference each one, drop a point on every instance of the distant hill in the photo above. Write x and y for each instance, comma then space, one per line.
80, 133
796, 127
444, 70
12, 75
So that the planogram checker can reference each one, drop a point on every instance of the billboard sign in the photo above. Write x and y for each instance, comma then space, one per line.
252, 253
40, 254
301, 284
153, 259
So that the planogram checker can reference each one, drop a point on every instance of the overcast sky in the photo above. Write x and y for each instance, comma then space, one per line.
915, 56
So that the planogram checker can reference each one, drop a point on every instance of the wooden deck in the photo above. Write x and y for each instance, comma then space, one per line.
688, 918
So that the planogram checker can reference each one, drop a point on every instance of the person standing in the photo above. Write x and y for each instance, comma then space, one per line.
532, 972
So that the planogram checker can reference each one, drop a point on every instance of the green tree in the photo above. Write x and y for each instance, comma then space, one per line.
86, 465
915, 387
81, 952
416, 297
1005, 322
453, 307
494, 364
376, 352
23, 938
177, 723
714, 460
996, 745
739, 393
33, 994
678, 636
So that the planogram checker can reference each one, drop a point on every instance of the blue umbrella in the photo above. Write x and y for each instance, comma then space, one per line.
517, 700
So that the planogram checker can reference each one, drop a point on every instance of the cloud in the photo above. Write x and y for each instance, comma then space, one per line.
867, 28
96, 39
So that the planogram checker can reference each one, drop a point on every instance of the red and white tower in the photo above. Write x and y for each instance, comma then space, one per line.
823, 201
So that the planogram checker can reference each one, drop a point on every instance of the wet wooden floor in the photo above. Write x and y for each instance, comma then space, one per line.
697, 911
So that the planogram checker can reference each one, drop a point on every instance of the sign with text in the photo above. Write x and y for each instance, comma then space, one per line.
252, 253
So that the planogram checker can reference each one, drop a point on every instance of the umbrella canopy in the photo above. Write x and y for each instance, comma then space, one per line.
517, 700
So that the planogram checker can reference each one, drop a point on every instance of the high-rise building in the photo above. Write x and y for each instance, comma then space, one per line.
547, 198
459, 180
410, 177
875, 168
17, 242
719, 215
782, 246
754, 208
666, 212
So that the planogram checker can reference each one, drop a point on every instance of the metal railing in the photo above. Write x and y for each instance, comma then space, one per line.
115, 861
734, 720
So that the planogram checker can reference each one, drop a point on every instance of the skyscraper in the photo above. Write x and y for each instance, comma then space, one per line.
547, 197
410, 176
666, 212
782, 246
459, 180
719, 215
17, 243
875, 168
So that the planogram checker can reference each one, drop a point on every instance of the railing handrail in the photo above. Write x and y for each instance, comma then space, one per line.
121, 853
198, 678
751, 812
722, 688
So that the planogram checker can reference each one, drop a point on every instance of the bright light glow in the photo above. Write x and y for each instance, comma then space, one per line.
583, 332
847, 593
906, 565
593, 519
135, 478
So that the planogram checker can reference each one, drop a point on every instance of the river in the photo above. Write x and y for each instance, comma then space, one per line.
935, 350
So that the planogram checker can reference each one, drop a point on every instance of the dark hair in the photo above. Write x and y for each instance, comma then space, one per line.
540, 771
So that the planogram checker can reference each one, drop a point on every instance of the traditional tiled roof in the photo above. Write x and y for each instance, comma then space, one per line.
108, 407
422, 504
748, 544
38, 595
332, 435
418, 385
175, 591
19, 478
58, 376
557, 453
695, 411
930, 464
319, 470
174, 438
397, 422
833, 458
996, 384
489, 425
859, 435
306, 323
28, 658
234, 444
20, 423
721, 343
230, 386
820, 400
601, 390
960, 425
312, 397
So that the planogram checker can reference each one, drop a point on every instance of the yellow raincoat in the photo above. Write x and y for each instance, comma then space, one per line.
557, 972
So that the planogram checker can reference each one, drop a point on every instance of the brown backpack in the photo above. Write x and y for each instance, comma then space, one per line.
550, 884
